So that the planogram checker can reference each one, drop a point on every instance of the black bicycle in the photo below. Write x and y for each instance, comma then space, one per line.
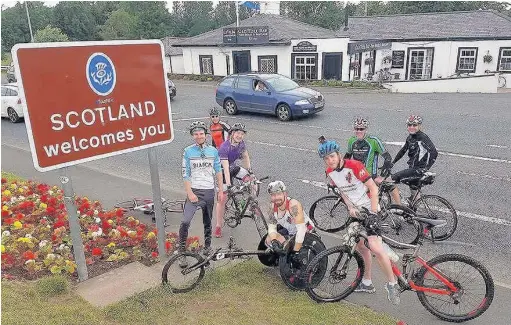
453, 287
425, 206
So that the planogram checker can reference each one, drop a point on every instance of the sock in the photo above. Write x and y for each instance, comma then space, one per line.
367, 282
393, 283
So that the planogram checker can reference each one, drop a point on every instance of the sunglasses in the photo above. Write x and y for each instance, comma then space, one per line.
359, 129
214, 116
412, 124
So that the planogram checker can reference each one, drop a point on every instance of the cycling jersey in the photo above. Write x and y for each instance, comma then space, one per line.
287, 221
231, 153
200, 166
366, 151
350, 179
219, 133
421, 151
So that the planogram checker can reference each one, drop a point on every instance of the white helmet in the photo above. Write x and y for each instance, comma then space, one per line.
276, 187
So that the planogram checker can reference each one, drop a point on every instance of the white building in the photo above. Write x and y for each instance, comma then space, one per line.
173, 55
429, 46
410, 47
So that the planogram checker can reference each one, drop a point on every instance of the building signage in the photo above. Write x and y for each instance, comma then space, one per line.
89, 100
246, 35
305, 46
365, 46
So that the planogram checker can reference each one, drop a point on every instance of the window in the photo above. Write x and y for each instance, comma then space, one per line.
467, 57
206, 64
4, 91
305, 66
504, 59
227, 82
267, 63
281, 83
13, 92
244, 83
398, 59
420, 63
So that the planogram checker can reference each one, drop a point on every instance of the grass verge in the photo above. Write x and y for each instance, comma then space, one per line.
247, 293
10, 177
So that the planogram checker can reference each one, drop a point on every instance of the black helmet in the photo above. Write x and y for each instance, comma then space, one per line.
197, 125
238, 127
214, 112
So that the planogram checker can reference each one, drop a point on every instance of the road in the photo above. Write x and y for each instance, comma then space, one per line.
474, 168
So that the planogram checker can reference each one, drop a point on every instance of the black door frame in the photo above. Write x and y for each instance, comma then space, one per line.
323, 63
235, 54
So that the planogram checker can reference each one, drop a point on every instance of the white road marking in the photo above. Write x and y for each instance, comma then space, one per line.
460, 213
496, 146
280, 146
190, 119
484, 176
288, 124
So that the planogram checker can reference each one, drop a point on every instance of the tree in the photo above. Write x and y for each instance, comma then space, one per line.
327, 14
120, 25
153, 18
76, 19
50, 34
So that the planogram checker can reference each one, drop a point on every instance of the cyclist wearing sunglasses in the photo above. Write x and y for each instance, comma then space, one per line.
219, 130
367, 149
421, 151
201, 164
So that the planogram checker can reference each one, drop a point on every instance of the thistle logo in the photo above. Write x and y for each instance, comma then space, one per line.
101, 74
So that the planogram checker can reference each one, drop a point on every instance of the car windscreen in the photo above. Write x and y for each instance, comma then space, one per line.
282, 84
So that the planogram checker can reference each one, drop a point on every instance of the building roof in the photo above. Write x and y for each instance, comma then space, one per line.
168, 43
482, 24
281, 31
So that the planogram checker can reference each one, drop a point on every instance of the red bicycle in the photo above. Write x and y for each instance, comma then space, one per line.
453, 287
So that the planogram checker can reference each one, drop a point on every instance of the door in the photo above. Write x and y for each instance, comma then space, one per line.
420, 62
241, 60
332, 66
243, 93
261, 99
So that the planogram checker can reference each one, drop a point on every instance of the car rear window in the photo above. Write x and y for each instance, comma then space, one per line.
244, 83
227, 82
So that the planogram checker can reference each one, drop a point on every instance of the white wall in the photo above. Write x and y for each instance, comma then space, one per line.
485, 84
445, 56
177, 64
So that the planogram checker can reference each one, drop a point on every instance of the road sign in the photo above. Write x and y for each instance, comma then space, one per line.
90, 100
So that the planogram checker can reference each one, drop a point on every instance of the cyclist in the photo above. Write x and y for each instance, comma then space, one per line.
286, 219
367, 149
353, 182
201, 164
231, 151
421, 152
219, 130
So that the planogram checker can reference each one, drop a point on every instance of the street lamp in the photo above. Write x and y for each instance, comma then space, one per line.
29, 24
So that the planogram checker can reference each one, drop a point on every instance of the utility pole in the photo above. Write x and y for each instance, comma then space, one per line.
237, 14
29, 24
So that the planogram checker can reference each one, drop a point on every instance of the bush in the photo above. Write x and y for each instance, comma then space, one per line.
338, 84
52, 286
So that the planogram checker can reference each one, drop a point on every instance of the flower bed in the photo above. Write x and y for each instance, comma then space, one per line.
36, 240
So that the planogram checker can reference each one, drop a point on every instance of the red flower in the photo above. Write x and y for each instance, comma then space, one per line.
97, 251
50, 210
52, 201
19, 216
4, 180
44, 198
106, 226
154, 254
9, 221
43, 221
5, 213
29, 255
168, 246
119, 212
59, 224
54, 237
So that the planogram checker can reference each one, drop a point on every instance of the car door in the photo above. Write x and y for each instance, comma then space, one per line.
243, 93
261, 99
4, 101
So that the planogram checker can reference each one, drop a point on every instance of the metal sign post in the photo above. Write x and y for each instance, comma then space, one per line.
74, 224
158, 211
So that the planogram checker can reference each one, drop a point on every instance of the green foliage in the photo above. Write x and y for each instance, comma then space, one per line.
120, 25
76, 20
50, 34
52, 286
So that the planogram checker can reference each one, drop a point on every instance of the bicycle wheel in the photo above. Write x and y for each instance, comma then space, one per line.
231, 214
436, 207
174, 206
177, 277
329, 213
126, 205
334, 274
398, 224
475, 284
292, 274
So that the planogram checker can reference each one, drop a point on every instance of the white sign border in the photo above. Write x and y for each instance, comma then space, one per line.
21, 89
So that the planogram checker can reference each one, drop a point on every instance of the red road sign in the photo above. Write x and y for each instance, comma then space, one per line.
90, 100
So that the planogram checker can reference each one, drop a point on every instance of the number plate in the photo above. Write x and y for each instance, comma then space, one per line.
318, 105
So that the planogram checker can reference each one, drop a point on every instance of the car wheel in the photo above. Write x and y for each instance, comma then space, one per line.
283, 112
230, 107
13, 116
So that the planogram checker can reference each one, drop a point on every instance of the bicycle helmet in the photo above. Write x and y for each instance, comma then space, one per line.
360, 122
276, 187
327, 148
414, 119
238, 127
197, 125
214, 112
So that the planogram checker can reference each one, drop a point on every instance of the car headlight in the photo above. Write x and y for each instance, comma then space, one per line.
302, 102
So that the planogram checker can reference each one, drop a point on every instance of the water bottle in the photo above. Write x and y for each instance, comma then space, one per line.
392, 255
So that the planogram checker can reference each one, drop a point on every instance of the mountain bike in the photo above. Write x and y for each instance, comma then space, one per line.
453, 287
146, 205
425, 206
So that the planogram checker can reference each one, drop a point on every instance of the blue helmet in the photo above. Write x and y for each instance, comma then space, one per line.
327, 147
